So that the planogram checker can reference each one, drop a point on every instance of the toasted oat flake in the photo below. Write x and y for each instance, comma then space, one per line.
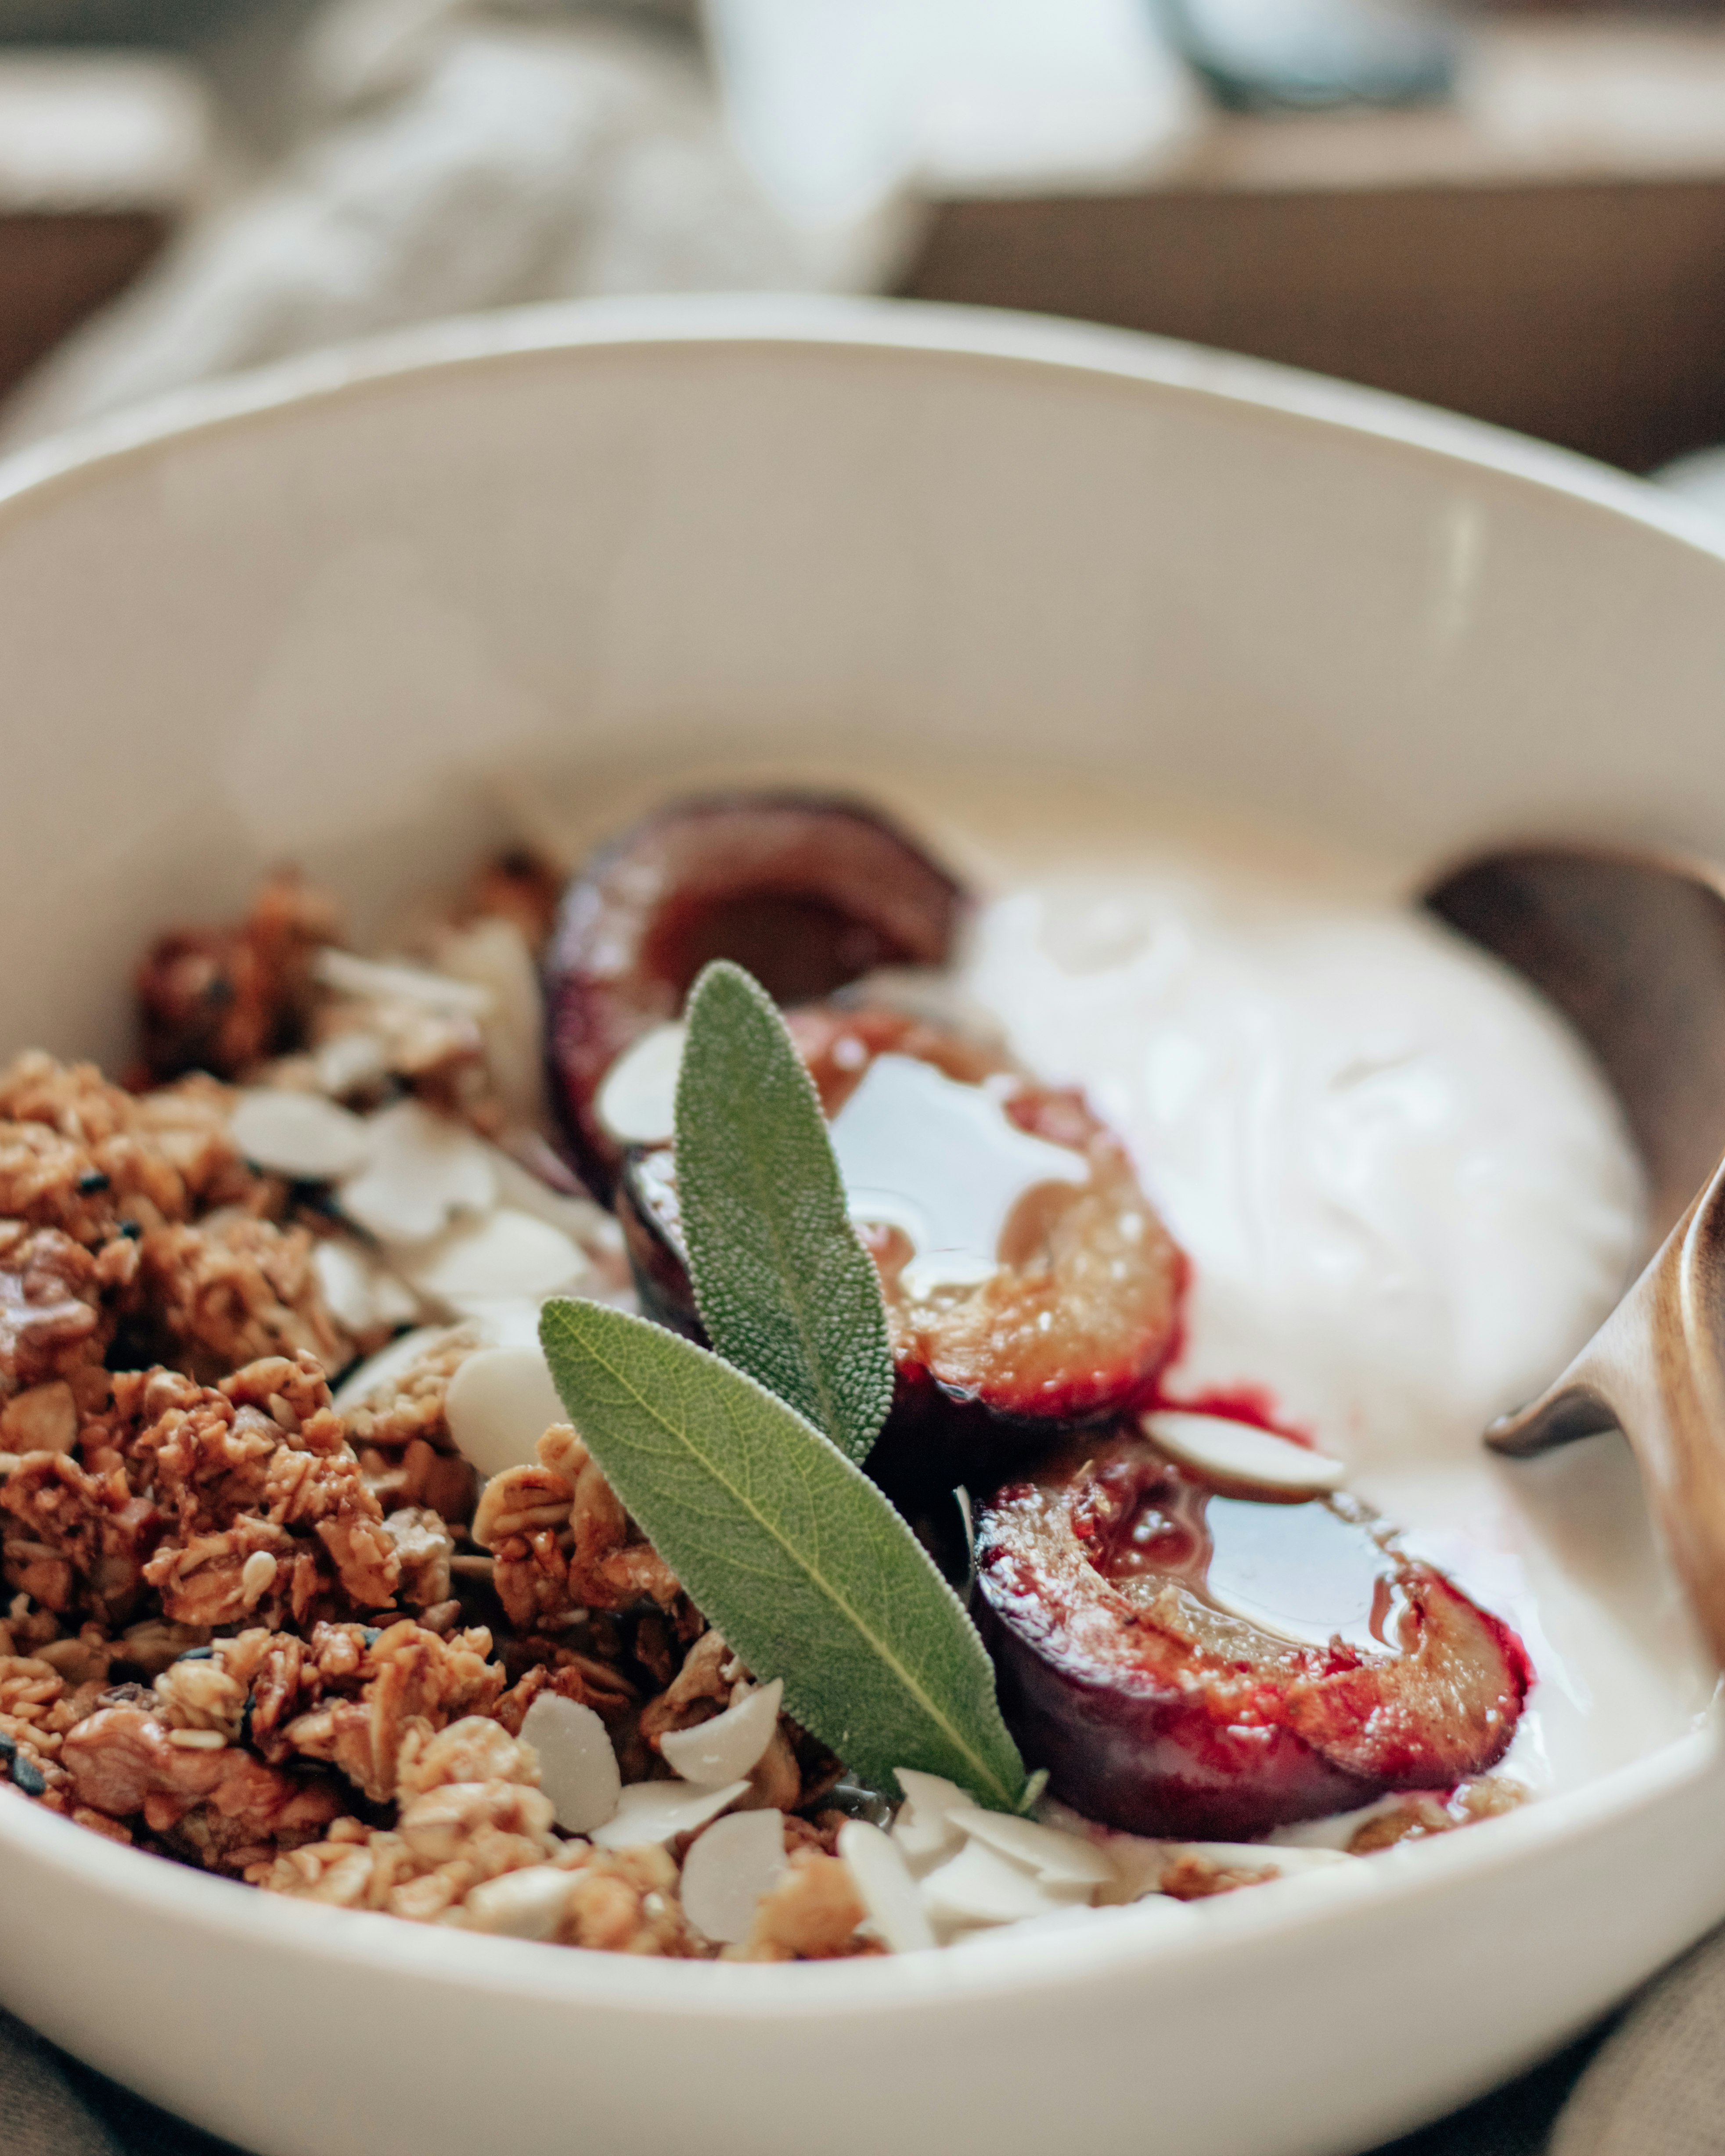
577, 1768
727, 1870
730, 1745
650, 1812
508, 1257
501, 1403
386, 1369
425, 1170
889, 1892
300, 1135
522, 1905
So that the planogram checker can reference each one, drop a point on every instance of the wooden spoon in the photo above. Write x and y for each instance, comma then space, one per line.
1630, 947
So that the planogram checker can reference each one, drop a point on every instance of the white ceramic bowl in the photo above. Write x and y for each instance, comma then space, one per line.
304, 614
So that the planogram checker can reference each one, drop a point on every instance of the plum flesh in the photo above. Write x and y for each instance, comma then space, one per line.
1079, 1314
806, 893
1159, 1708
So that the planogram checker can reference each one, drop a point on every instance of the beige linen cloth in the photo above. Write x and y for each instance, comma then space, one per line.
1654, 2087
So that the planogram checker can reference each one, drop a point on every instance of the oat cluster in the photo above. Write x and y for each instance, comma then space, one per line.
294, 1644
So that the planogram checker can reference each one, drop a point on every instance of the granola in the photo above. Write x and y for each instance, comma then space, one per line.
279, 1625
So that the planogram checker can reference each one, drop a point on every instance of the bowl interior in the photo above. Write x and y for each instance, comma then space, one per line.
374, 611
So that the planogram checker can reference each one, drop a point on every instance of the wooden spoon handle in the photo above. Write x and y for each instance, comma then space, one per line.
1654, 1371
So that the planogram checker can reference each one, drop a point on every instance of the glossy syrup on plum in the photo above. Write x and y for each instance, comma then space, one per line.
1308, 1570
1190, 1663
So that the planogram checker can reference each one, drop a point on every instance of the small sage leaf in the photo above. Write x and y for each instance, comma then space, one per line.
785, 1288
788, 1549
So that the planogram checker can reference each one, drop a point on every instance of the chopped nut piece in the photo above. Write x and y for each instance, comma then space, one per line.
811, 1915
223, 999
53, 1323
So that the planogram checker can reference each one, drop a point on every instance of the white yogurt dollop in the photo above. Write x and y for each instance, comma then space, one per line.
1407, 1193
1407, 1197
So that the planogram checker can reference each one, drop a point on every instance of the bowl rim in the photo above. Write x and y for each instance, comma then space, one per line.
666, 321
1408, 1879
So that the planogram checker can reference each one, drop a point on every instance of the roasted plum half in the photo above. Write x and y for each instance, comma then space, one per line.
1204, 1666
807, 893
1026, 1276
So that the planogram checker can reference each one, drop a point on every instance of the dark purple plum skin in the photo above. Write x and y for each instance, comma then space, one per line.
807, 891
1197, 1726
1147, 1760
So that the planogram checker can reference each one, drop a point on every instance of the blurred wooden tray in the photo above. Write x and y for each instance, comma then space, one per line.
1548, 253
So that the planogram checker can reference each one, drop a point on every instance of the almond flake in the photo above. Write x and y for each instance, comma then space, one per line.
300, 1135
520, 1905
733, 1864
1242, 1455
1057, 1859
508, 1257
348, 1062
728, 1747
637, 1099
577, 1768
924, 1829
977, 1887
359, 1295
583, 1222
884, 1883
370, 979
425, 1168
658, 1811
499, 1403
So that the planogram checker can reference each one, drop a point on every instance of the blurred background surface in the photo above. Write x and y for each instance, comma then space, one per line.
1517, 212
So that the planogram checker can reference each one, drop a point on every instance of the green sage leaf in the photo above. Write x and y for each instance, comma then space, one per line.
785, 1288
788, 1549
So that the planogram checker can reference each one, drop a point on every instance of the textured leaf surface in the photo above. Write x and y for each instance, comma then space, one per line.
785, 1289
788, 1549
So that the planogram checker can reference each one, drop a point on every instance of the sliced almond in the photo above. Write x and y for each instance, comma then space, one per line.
577, 1768
733, 1864
888, 1891
301, 1135
637, 1099
370, 978
347, 1062
1241, 1457
1057, 1859
583, 1222
499, 1403
506, 1257
359, 1294
520, 1905
658, 1811
979, 1887
424, 1170
728, 1747
924, 1829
